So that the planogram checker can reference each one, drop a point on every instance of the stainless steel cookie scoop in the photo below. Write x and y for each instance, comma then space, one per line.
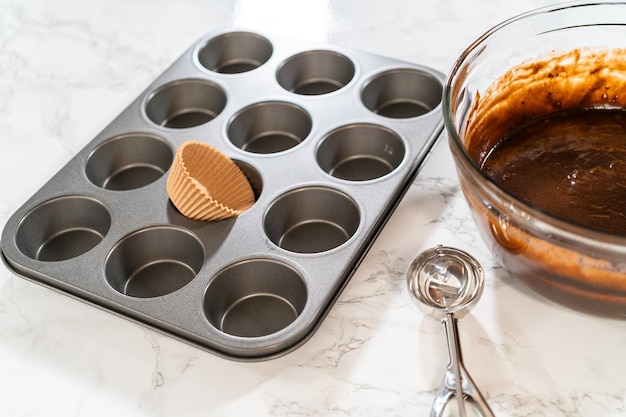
445, 282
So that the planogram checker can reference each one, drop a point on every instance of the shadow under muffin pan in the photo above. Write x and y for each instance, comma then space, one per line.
330, 139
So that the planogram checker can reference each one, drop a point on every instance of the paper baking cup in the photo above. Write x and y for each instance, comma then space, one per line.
205, 184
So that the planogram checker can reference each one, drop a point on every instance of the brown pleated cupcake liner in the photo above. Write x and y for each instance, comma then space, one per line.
205, 184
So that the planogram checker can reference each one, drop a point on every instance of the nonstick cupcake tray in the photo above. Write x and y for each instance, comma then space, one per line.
329, 137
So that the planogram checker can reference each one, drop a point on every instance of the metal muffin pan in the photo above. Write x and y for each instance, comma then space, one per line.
330, 139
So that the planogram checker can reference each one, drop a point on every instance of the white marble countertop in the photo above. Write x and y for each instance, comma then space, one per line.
68, 67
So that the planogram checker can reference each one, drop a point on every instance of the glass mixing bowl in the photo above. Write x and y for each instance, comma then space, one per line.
575, 266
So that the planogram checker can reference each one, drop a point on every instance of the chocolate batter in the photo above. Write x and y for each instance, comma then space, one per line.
553, 131
571, 164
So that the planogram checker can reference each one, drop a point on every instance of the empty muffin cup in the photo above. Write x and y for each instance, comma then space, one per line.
311, 220
402, 93
269, 127
62, 228
185, 103
315, 72
235, 52
205, 184
128, 161
154, 262
360, 152
255, 298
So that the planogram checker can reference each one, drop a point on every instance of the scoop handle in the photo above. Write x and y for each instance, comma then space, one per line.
457, 382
